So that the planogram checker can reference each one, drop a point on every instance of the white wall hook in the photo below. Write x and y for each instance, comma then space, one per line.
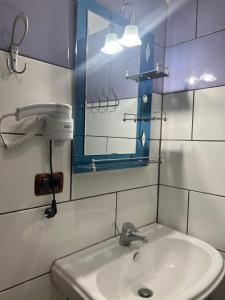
14, 47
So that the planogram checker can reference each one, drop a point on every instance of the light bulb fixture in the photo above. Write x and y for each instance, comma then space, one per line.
112, 45
131, 36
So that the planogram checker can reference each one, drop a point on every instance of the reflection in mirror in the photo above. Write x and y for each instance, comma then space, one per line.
112, 127
109, 95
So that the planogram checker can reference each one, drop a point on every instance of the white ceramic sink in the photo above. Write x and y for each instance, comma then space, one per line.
172, 265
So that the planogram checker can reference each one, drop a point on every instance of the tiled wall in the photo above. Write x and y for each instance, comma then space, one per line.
29, 242
192, 190
90, 203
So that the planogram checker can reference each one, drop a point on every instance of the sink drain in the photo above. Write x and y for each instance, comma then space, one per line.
145, 293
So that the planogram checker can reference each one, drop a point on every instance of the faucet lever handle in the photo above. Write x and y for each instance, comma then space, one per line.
129, 227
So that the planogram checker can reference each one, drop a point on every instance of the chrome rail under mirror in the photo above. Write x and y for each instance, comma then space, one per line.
156, 115
147, 160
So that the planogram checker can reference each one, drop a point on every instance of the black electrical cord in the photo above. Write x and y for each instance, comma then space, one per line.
51, 170
50, 212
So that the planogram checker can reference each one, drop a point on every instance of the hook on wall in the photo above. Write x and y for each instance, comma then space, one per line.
14, 46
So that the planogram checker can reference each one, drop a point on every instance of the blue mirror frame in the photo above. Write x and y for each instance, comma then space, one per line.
83, 163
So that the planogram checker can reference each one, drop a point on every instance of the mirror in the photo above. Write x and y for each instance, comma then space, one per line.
109, 95
108, 106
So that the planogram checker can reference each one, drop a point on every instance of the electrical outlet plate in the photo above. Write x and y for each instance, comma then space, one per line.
43, 185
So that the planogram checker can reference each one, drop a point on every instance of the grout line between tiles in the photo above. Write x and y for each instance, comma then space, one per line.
118, 191
188, 206
180, 43
211, 33
192, 39
31, 208
74, 200
196, 22
204, 141
166, 31
159, 168
33, 278
23, 282
142, 226
42, 61
159, 45
194, 191
85, 248
157, 209
196, 89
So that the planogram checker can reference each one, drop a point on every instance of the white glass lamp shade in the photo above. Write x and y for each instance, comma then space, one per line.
131, 36
112, 45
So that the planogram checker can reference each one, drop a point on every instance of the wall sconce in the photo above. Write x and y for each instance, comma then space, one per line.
131, 36
112, 45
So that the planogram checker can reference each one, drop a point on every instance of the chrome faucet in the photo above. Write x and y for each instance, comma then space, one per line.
130, 234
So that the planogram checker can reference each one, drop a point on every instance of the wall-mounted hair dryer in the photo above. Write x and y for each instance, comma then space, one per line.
54, 119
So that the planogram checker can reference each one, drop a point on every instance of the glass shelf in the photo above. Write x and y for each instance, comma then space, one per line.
158, 72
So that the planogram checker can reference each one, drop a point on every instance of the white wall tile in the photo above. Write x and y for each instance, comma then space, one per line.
197, 166
173, 208
206, 218
40, 288
209, 121
154, 149
178, 107
156, 125
41, 83
30, 242
137, 206
18, 170
88, 184
84, 185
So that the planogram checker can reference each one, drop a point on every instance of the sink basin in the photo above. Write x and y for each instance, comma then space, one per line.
171, 266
